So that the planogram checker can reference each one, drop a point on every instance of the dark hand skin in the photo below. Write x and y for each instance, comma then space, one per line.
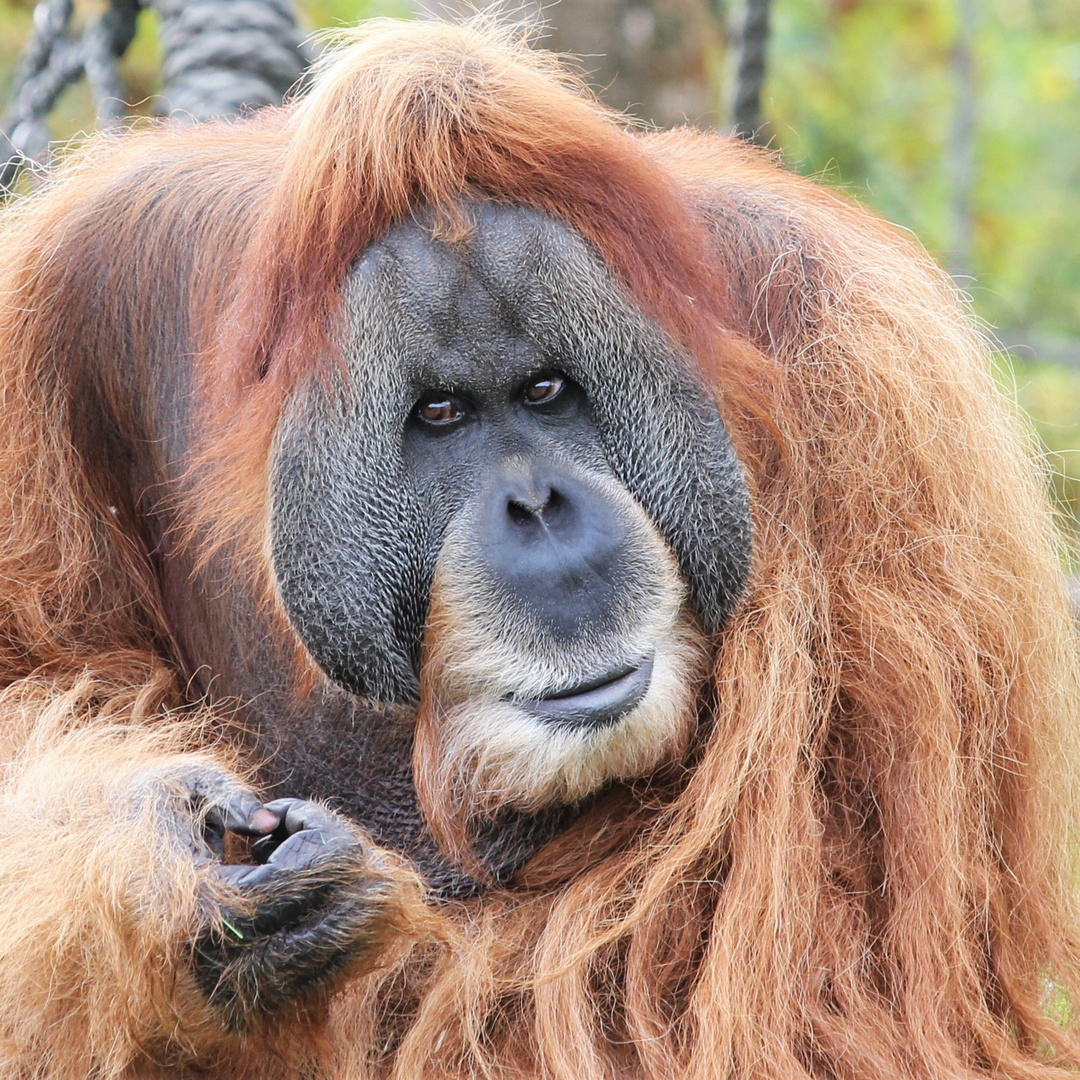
317, 897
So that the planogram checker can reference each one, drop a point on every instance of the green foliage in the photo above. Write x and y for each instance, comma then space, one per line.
319, 13
864, 92
1050, 394
15, 23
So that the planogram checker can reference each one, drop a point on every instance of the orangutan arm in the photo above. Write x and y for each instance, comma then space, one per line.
122, 928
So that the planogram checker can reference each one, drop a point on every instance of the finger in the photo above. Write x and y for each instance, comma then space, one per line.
262, 849
243, 813
240, 810
213, 832
297, 815
305, 847
243, 876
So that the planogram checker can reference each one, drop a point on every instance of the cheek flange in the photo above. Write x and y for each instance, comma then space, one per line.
353, 554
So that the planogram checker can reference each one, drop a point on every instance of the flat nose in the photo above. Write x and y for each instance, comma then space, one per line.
555, 542
535, 504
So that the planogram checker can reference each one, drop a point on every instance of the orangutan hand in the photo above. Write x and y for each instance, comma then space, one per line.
318, 899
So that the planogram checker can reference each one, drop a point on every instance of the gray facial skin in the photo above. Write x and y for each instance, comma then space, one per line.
363, 494
364, 502
362, 499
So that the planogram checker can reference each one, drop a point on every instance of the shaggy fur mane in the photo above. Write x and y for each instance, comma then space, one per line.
862, 870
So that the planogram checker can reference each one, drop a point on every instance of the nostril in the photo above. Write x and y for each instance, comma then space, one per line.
555, 542
534, 504
555, 504
520, 513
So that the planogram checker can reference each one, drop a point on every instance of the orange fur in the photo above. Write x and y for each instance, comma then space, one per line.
862, 870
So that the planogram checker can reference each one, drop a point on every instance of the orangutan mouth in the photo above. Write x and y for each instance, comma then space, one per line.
597, 703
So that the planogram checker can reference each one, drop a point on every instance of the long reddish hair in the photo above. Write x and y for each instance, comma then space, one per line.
864, 869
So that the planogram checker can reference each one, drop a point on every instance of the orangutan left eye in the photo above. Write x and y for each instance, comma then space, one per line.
544, 389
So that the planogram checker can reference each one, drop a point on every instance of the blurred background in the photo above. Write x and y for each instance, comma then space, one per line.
957, 119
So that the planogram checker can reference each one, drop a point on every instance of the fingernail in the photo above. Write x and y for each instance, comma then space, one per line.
264, 820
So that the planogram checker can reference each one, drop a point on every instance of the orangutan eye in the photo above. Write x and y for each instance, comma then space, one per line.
440, 410
543, 389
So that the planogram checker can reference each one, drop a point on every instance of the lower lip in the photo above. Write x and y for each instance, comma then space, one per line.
599, 706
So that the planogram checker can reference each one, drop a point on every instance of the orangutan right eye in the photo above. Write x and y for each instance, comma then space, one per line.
440, 410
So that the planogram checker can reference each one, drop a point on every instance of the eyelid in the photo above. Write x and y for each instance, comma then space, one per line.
555, 377
440, 397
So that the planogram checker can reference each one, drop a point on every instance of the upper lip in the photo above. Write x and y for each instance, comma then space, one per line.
597, 701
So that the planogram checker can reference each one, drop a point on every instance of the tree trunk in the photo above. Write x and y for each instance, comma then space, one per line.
652, 58
750, 38
960, 151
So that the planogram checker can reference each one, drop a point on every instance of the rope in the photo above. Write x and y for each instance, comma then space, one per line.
220, 57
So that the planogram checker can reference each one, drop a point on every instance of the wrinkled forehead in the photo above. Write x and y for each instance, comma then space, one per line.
518, 292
